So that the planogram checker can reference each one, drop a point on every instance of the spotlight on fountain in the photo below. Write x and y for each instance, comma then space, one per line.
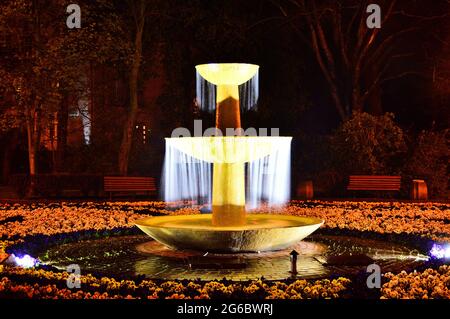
213, 169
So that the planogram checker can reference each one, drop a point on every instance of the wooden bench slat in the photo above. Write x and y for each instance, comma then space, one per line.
128, 184
374, 182
374, 177
128, 179
131, 184
380, 185
373, 188
129, 188
378, 178
135, 181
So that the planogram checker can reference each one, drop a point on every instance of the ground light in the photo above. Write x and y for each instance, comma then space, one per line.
440, 251
25, 261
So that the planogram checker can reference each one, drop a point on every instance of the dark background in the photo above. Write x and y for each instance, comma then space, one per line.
294, 93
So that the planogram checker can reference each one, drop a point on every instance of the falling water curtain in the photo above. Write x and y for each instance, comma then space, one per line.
249, 94
206, 94
268, 178
186, 178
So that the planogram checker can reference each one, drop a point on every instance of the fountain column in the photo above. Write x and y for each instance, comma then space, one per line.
228, 197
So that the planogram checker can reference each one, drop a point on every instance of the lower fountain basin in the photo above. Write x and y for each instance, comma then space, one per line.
262, 232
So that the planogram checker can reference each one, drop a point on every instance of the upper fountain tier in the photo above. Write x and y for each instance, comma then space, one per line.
227, 77
227, 73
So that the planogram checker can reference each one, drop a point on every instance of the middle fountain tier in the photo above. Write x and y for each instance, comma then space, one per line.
229, 155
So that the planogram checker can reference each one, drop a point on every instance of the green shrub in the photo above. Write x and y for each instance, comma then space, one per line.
367, 144
429, 160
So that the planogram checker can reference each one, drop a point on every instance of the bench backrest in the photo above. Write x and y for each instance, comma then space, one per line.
374, 182
126, 183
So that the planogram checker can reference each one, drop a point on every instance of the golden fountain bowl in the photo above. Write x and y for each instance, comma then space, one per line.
227, 73
262, 232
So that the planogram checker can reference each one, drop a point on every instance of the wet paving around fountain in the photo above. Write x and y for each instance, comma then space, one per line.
136, 255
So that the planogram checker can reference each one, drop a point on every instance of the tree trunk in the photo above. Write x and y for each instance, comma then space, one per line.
32, 125
63, 115
125, 147
8, 152
127, 137
32, 111
91, 100
356, 100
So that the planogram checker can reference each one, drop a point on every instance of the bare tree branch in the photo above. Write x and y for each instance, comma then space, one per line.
406, 73
334, 91
386, 42
339, 35
378, 79
323, 41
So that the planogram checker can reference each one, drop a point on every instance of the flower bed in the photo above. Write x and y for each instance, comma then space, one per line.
418, 285
26, 283
41, 224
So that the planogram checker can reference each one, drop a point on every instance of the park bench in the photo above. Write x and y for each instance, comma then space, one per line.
374, 183
128, 184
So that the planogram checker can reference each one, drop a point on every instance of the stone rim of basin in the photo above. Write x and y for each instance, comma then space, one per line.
243, 238
275, 221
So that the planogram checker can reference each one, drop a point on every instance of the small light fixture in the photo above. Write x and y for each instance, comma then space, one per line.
294, 255
26, 261
440, 251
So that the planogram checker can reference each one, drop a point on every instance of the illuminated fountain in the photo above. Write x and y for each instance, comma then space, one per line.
213, 168
231, 175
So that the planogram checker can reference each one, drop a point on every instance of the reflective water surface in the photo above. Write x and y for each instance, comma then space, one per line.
137, 255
